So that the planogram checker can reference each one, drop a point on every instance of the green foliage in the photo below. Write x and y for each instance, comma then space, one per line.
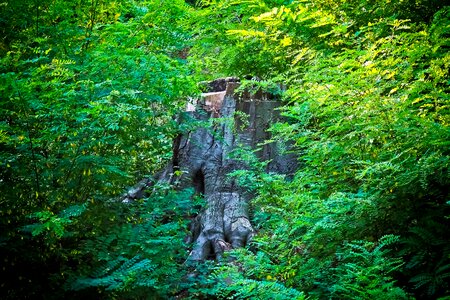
364, 271
141, 252
134, 272
241, 278
241, 288
426, 251
266, 86
228, 49
367, 111
54, 225
89, 91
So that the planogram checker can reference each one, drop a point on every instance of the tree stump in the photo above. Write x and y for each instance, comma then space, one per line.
201, 160
202, 157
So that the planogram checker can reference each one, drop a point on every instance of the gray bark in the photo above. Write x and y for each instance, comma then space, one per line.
202, 159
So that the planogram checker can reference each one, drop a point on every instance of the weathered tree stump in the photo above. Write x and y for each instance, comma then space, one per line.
202, 157
201, 160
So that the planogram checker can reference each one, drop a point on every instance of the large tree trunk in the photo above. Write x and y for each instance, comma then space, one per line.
201, 160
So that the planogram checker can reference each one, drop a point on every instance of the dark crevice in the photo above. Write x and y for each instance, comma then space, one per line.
176, 152
199, 182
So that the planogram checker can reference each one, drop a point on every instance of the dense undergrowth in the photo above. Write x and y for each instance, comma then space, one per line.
89, 91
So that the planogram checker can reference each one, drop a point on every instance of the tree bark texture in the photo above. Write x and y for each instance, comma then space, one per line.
201, 160
202, 157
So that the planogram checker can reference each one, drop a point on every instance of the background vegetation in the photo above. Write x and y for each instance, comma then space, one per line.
89, 95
